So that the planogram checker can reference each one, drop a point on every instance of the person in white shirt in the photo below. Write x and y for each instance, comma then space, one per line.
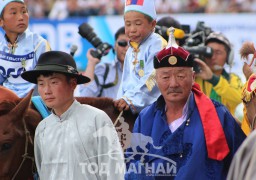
75, 141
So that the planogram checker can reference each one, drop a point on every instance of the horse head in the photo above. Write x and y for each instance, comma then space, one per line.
251, 112
249, 100
17, 127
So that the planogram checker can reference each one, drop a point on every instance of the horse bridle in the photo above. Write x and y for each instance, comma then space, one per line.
25, 155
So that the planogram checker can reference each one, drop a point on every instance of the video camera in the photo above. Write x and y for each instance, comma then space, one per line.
102, 49
195, 43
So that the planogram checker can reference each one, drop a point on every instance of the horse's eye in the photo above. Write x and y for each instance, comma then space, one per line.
5, 147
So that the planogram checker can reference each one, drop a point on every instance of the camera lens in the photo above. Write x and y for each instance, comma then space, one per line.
86, 31
102, 49
95, 41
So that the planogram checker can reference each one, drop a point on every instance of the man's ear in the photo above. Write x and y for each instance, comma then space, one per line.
74, 82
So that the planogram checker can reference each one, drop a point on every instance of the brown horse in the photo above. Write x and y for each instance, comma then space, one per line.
17, 128
18, 121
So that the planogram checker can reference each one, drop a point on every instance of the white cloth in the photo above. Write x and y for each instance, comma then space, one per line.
66, 148
176, 123
243, 166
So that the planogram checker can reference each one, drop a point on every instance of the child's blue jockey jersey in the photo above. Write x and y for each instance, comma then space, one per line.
24, 54
133, 87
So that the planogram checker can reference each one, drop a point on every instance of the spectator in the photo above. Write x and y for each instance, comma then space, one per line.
213, 79
183, 128
218, 6
66, 146
136, 90
64, 8
20, 49
105, 77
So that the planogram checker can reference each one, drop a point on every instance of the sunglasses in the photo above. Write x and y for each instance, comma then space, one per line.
122, 43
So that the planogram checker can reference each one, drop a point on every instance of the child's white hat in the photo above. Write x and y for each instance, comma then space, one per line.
143, 6
3, 3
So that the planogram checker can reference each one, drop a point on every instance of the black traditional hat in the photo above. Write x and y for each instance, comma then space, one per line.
173, 55
55, 61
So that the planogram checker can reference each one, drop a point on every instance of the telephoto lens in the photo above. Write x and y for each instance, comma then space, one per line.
86, 31
102, 49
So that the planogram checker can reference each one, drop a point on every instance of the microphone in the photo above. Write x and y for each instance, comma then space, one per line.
163, 31
73, 50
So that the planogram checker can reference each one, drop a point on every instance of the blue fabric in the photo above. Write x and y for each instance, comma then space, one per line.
133, 88
93, 90
40, 106
185, 148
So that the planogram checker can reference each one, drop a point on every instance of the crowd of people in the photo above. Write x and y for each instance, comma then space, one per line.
59, 9
186, 117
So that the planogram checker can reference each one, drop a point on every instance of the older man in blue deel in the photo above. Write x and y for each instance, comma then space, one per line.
193, 137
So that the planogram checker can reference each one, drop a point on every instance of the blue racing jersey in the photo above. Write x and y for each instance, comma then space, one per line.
29, 46
137, 70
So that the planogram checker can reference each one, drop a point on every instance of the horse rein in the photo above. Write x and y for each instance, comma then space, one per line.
118, 117
25, 155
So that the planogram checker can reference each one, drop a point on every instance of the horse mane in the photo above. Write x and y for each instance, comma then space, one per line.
107, 104
101, 102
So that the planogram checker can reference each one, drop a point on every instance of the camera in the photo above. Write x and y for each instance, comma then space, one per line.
102, 49
195, 43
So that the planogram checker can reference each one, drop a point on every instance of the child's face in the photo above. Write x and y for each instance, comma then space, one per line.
137, 26
15, 18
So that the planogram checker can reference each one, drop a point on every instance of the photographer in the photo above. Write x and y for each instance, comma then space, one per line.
105, 77
213, 79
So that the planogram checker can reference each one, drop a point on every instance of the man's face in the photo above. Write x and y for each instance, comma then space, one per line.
219, 56
15, 18
175, 83
137, 26
56, 91
120, 47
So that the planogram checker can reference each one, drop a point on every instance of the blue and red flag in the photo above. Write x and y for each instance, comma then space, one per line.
134, 2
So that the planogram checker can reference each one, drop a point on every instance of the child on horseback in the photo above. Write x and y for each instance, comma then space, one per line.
20, 48
137, 89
